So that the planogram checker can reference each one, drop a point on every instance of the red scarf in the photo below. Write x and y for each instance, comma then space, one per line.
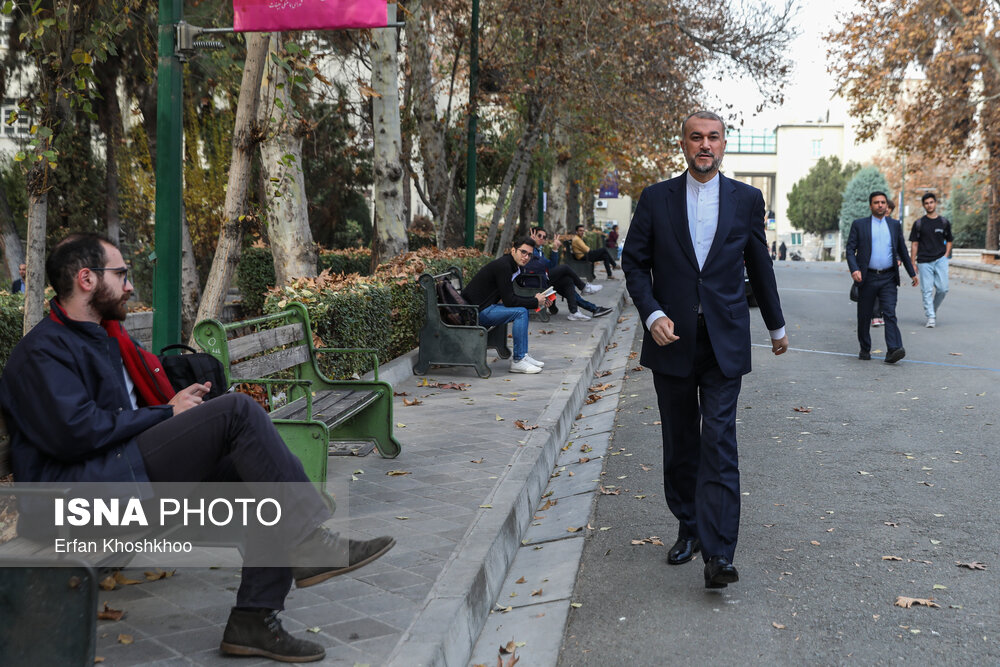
151, 383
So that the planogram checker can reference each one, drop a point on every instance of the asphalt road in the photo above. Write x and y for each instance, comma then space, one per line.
882, 481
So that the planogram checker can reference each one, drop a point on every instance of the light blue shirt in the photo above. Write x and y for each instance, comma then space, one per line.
881, 245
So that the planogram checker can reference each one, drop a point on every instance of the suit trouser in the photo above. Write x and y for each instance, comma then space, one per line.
883, 286
701, 476
601, 255
232, 439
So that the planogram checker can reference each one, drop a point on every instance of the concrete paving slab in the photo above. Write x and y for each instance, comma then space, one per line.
570, 512
576, 478
602, 422
547, 574
533, 626
587, 445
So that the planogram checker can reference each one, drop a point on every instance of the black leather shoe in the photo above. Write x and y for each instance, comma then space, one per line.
326, 554
865, 355
259, 632
719, 572
895, 355
683, 550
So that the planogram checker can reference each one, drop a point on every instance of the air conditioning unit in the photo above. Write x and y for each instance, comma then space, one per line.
601, 204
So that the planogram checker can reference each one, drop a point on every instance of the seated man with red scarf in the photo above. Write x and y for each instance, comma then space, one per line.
84, 403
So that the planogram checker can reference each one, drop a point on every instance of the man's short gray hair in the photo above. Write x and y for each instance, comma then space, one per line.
705, 115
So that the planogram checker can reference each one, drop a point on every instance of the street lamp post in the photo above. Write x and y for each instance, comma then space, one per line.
470, 179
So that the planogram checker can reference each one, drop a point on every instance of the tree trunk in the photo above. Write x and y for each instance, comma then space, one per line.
281, 161
111, 125
246, 136
406, 147
389, 239
13, 251
433, 149
190, 284
507, 237
555, 216
587, 206
572, 208
512, 170
991, 118
38, 203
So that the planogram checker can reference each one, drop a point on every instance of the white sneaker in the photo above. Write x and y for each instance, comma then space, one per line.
523, 366
930, 323
534, 362
578, 316
590, 288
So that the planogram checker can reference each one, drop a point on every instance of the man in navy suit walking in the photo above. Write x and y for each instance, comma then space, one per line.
683, 260
875, 246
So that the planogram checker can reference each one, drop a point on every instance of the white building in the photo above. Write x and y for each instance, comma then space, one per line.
774, 159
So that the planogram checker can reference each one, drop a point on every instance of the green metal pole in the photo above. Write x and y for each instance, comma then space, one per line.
470, 173
169, 179
541, 202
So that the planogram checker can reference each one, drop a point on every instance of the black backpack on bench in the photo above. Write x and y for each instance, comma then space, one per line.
448, 296
183, 370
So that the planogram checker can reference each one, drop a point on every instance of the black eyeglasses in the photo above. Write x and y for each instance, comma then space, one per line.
121, 272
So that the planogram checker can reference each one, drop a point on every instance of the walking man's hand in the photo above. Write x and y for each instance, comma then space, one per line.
663, 331
780, 345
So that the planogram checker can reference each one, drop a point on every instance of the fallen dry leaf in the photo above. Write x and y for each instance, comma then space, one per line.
572, 529
973, 565
108, 583
891, 558
536, 593
645, 467
159, 574
603, 374
814, 543
592, 398
610, 347
415, 401
802, 409
636, 369
125, 581
891, 524
903, 601
548, 505
609, 491
400, 393
109, 614
125, 639
524, 427
777, 625
397, 473
522, 580
458, 386
476, 461
632, 355
601, 387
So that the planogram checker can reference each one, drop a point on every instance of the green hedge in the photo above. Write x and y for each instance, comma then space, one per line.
351, 260
254, 276
11, 321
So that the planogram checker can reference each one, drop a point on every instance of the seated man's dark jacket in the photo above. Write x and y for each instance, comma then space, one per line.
493, 284
69, 415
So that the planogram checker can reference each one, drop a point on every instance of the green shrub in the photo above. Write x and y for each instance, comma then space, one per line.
254, 276
419, 239
350, 260
11, 319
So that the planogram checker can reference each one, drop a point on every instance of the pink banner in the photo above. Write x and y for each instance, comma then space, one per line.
277, 15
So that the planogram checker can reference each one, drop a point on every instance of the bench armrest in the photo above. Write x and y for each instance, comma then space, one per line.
372, 352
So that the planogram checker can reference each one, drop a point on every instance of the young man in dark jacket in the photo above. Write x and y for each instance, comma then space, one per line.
492, 289
84, 403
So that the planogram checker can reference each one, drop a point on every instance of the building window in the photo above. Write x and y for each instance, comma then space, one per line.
817, 148
796, 238
21, 127
752, 141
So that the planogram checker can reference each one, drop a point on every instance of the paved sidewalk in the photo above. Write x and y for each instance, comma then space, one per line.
473, 480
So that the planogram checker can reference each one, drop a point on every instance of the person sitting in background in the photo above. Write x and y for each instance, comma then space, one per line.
562, 278
492, 290
582, 252
17, 287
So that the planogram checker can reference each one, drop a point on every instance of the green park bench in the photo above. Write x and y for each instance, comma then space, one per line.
582, 267
318, 416
445, 344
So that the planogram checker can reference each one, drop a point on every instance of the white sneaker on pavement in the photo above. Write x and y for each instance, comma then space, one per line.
523, 366
578, 316
590, 288
930, 323
535, 362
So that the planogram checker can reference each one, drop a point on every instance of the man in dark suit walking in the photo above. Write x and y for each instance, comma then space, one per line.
683, 260
875, 246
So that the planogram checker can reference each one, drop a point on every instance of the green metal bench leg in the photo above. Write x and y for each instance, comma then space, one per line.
374, 423
308, 441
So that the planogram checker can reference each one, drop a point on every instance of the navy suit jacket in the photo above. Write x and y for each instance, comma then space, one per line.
859, 247
661, 272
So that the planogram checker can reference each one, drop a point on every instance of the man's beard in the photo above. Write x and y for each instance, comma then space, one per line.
693, 165
106, 304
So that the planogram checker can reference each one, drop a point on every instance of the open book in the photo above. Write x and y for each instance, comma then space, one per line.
550, 297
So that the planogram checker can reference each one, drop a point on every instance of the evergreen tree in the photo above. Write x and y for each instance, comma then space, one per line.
814, 202
855, 202
967, 210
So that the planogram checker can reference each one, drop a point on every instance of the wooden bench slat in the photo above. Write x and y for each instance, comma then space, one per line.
244, 346
330, 407
259, 367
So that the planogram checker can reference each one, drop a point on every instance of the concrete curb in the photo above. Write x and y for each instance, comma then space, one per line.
455, 611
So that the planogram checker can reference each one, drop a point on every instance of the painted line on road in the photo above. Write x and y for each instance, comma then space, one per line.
903, 361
